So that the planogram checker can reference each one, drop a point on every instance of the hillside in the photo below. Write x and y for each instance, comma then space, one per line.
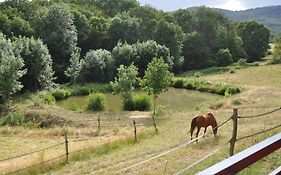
270, 16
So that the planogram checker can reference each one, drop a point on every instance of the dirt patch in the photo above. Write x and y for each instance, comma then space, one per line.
140, 116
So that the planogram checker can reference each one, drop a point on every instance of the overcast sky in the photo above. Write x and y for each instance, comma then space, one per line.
171, 5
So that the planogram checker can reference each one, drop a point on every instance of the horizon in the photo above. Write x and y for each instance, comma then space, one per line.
232, 5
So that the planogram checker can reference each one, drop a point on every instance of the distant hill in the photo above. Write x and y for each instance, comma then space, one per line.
270, 16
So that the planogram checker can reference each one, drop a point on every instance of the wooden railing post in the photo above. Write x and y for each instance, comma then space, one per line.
135, 130
234, 131
66, 146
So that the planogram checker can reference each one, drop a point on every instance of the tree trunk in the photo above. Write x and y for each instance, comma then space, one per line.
153, 116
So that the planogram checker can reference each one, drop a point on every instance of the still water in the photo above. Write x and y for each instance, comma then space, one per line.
173, 99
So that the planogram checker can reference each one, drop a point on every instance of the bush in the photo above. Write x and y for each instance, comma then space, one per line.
80, 90
60, 94
128, 105
178, 83
224, 57
232, 90
12, 119
142, 103
96, 102
242, 62
49, 98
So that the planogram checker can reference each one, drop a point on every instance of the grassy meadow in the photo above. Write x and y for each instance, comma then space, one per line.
113, 149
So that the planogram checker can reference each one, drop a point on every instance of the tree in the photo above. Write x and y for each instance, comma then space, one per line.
11, 70
255, 37
172, 36
156, 80
224, 57
57, 30
37, 62
125, 28
185, 19
124, 84
197, 54
277, 50
147, 50
124, 54
97, 66
73, 71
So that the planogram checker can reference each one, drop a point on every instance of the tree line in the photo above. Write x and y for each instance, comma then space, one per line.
82, 41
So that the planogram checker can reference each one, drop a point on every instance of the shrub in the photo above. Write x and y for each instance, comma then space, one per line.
96, 102
178, 83
61, 94
12, 119
128, 105
80, 90
188, 86
142, 103
232, 90
224, 57
49, 98
242, 62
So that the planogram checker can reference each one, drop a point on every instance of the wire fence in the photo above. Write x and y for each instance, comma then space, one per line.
260, 115
66, 142
171, 149
29, 153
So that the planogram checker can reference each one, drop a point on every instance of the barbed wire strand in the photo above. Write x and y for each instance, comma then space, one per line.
260, 115
257, 133
36, 164
173, 148
25, 154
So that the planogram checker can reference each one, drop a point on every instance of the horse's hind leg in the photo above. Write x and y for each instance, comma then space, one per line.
191, 133
198, 130
205, 132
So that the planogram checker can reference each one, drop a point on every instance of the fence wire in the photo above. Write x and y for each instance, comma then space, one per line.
36, 164
39, 150
257, 133
260, 115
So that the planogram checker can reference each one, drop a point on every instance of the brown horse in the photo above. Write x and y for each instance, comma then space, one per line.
203, 121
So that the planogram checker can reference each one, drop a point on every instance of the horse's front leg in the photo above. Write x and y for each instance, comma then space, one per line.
198, 130
205, 132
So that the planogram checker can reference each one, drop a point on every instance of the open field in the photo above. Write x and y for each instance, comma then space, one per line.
261, 93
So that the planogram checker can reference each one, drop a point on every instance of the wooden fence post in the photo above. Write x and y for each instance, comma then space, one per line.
234, 132
135, 130
99, 124
66, 146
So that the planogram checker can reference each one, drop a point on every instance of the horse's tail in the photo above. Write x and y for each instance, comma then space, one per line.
193, 124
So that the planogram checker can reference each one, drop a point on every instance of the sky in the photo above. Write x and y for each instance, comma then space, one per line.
171, 5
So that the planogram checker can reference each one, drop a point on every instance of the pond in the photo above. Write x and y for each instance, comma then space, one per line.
173, 99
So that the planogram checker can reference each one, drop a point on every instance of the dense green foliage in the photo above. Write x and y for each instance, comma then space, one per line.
206, 86
255, 37
37, 62
11, 70
277, 50
96, 102
12, 119
142, 102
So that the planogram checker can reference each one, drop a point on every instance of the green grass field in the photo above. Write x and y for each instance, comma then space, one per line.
261, 93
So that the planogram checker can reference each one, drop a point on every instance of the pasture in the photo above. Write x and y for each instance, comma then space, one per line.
115, 153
